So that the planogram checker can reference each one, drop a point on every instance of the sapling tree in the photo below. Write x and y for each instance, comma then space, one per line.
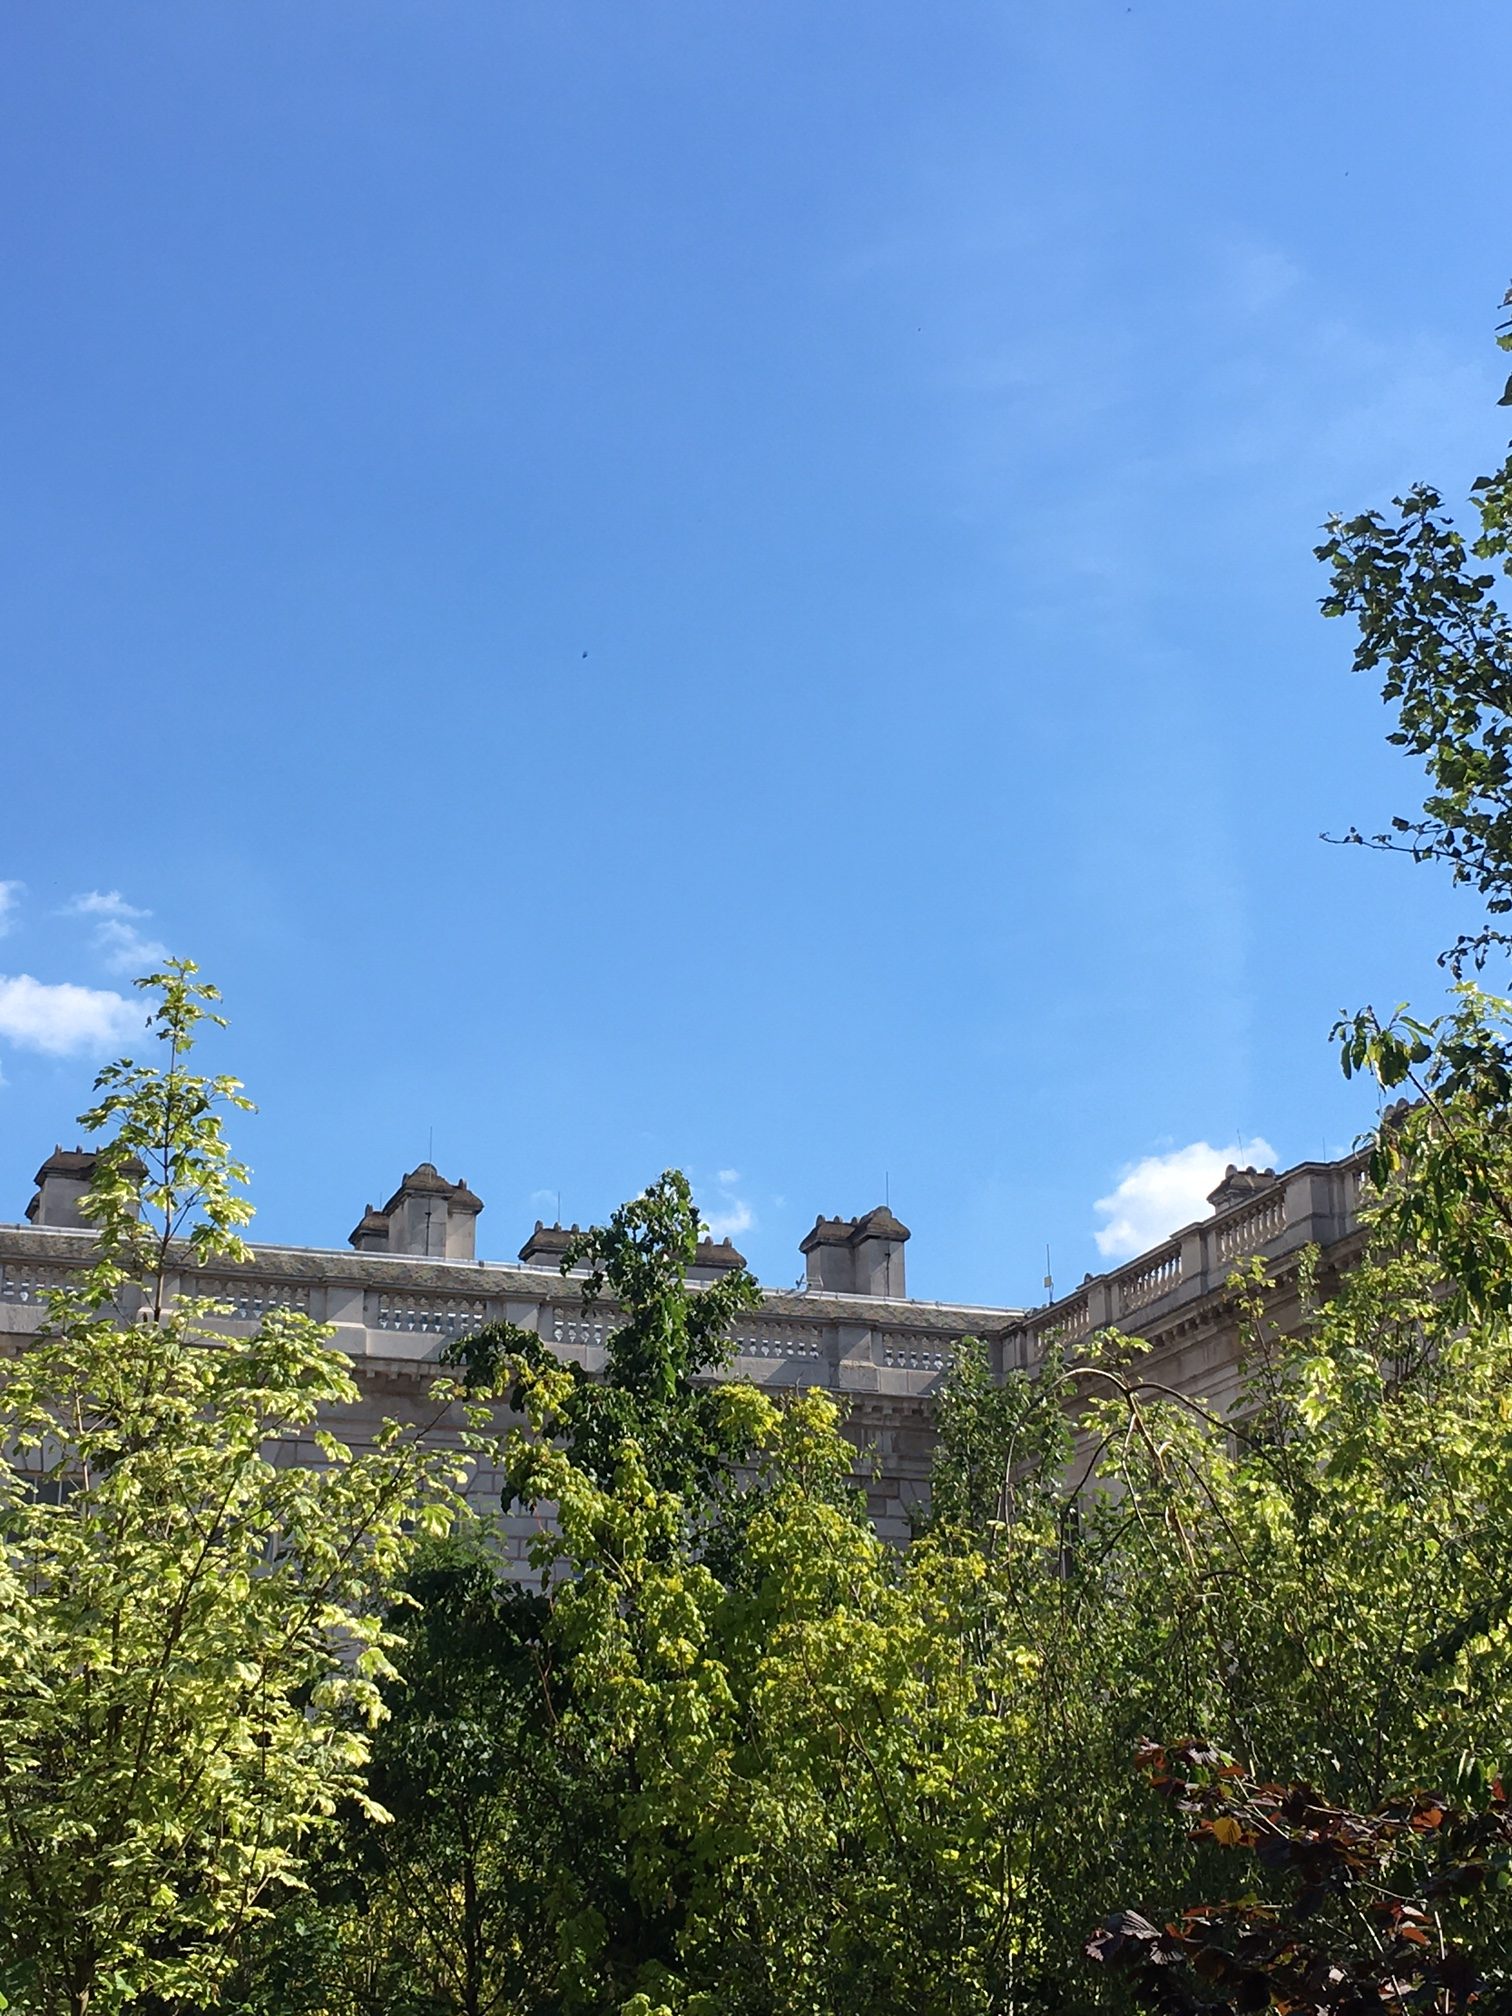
192, 1618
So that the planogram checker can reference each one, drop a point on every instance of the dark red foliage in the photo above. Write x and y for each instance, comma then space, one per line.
1379, 1911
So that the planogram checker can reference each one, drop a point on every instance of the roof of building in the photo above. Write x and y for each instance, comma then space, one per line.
370, 1225
427, 1181
876, 1224
550, 1242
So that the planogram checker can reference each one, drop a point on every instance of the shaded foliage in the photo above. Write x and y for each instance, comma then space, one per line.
1401, 1908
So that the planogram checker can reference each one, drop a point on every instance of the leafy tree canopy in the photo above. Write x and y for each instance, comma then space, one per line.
192, 1638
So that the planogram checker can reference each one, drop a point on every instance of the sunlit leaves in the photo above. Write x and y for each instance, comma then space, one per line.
192, 1636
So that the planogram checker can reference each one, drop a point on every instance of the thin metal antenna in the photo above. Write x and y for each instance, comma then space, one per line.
1049, 1278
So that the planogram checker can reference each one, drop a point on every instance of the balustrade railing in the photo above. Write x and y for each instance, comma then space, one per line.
775, 1340
1324, 1204
588, 1330
916, 1353
1063, 1322
1245, 1232
250, 1301
1155, 1276
433, 1315
27, 1282
1192, 1269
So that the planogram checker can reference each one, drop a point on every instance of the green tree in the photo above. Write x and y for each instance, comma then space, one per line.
192, 1628
445, 1904
1430, 624
508, 1832
1323, 1582
734, 1754
728, 1753
666, 1344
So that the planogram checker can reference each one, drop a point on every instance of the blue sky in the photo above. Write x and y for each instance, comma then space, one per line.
726, 585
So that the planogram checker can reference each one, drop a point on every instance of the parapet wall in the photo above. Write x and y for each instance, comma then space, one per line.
394, 1314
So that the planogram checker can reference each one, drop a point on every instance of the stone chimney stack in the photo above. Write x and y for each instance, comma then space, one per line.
858, 1256
714, 1259
548, 1243
830, 1264
62, 1181
877, 1243
370, 1234
62, 1184
426, 1216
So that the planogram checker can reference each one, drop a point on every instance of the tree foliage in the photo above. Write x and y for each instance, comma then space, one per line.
1341, 1913
191, 1629
759, 1762
1430, 624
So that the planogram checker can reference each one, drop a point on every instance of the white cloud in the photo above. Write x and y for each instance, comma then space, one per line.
734, 1216
102, 903
10, 899
123, 948
731, 1214
62, 1019
1159, 1194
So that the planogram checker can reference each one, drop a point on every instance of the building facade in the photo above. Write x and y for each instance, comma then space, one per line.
410, 1282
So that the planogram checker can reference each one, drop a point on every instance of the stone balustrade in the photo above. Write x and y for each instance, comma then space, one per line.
1315, 1204
406, 1314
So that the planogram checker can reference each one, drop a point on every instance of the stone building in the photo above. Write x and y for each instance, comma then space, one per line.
410, 1281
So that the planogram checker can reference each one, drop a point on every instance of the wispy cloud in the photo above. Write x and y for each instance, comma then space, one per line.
102, 903
10, 902
735, 1215
731, 1214
1159, 1194
1255, 277
125, 949
120, 944
61, 1019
